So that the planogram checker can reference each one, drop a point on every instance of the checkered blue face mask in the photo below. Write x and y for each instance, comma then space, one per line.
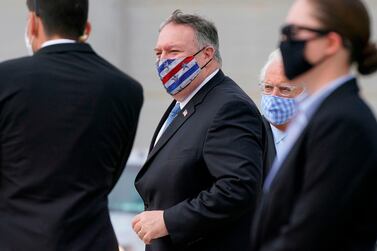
278, 110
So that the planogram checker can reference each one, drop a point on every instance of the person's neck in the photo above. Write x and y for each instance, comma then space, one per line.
57, 37
324, 75
45, 39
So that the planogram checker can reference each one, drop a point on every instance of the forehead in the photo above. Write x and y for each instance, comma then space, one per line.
176, 35
275, 74
302, 13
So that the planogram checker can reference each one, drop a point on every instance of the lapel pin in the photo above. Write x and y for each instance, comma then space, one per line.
185, 113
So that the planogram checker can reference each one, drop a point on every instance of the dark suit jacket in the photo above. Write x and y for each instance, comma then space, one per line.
206, 171
67, 124
271, 149
324, 196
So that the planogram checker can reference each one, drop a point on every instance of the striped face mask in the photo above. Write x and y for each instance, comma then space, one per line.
178, 73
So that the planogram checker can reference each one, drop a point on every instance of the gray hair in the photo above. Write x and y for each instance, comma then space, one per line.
206, 32
274, 57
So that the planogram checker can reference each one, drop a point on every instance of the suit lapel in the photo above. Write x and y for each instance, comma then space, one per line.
160, 124
182, 117
270, 150
172, 129
292, 156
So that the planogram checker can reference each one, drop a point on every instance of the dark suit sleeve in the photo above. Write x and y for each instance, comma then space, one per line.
135, 99
270, 153
233, 152
335, 177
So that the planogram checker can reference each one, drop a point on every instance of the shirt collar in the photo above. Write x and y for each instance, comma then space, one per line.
185, 102
57, 41
309, 104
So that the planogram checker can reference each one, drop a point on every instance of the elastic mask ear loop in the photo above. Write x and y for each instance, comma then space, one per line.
207, 62
199, 51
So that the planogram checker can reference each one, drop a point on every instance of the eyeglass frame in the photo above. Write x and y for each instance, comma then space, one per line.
290, 30
287, 32
283, 85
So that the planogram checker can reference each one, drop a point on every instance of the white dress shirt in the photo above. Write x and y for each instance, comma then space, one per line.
306, 109
183, 103
57, 41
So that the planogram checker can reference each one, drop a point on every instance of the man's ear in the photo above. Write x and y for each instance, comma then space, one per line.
87, 31
34, 31
209, 52
33, 25
335, 43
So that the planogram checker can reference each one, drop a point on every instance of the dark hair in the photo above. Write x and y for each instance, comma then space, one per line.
61, 17
206, 32
350, 19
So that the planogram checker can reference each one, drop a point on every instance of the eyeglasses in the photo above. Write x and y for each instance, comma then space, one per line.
285, 90
290, 32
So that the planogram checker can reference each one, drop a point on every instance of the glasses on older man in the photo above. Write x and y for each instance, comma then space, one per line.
284, 90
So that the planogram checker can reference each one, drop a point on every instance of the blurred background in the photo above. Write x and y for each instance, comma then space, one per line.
125, 32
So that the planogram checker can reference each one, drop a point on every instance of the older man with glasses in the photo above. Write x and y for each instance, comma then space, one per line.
278, 102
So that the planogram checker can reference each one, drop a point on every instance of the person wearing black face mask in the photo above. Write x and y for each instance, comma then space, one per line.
322, 193
293, 49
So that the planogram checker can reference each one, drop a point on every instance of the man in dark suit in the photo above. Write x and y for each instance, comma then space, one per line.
203, 175
278, 104
321, 195
67, 121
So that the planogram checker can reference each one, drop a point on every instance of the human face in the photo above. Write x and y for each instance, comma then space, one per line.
301, 25
176, 41
179, 41
276, 84
302, 14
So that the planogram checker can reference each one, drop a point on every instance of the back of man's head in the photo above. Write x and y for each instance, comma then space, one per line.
66, 18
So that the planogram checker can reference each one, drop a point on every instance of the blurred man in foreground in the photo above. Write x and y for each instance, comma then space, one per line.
68, 120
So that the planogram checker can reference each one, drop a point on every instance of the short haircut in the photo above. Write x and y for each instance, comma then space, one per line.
274, 57
206, 31
65, 18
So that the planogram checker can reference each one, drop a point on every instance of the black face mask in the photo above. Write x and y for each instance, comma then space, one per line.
293, 54
293, 51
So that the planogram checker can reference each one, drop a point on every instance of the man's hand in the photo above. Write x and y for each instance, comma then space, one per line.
149, 225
